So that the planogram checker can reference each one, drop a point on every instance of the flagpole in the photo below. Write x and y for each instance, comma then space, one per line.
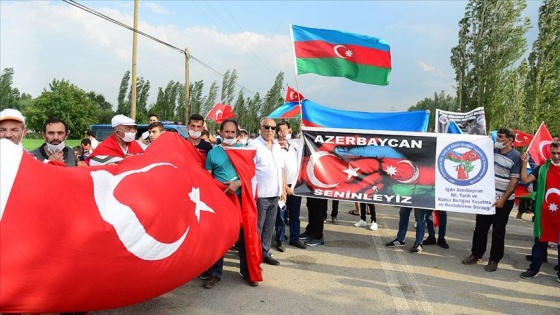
296, 73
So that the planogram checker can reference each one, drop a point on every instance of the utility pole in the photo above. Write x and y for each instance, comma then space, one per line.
187, 85
134, 48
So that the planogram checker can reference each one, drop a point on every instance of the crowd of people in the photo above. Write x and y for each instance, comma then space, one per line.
276, 164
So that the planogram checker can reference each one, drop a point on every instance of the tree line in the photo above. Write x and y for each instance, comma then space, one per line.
490, 70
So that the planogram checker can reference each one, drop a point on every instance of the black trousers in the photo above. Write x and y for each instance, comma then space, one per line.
317, 211
498, 222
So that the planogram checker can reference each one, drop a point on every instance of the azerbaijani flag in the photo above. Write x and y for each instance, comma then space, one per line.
287, 110
333, 53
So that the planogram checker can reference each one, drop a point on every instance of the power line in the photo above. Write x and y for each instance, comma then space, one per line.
107, 18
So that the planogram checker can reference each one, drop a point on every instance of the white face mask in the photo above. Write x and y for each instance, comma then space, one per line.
56, 147
227, 141
243, 141
194, 134
498, 145
288, 136
555, 164
129, 136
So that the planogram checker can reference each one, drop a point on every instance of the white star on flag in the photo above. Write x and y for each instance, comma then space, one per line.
553, 207
391, 170
199, 205
351, 171
348, 53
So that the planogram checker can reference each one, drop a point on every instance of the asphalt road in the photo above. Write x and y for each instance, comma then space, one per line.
355, 273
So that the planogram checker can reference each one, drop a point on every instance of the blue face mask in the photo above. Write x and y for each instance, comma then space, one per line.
498, 145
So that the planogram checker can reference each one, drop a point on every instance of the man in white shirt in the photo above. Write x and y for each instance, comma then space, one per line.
290, 149
270, 184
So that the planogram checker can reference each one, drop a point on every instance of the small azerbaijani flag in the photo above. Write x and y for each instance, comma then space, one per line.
291, 108
333, 53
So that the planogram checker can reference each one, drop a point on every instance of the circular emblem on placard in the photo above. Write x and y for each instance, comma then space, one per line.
462, 163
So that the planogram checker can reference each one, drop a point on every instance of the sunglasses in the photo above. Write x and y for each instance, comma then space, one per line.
269, 127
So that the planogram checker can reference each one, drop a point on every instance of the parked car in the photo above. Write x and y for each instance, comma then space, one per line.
102, 131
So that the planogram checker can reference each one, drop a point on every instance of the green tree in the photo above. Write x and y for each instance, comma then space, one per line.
123, 107
441, 101
273, 98
543, 78
209, 100
9, 96
195, 97
65, 101
254, 109
125, 95
228, 86
105, 109
491, 40
240, 110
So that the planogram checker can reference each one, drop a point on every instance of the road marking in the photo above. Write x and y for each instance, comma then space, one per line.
400, 278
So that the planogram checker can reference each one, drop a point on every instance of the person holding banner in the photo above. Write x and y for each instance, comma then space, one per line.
547, 221
507, 165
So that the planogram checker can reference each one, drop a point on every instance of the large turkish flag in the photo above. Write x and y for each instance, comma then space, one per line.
90, 238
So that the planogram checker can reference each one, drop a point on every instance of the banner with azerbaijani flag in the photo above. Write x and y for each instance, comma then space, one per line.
316, 115
412, 169
334, 53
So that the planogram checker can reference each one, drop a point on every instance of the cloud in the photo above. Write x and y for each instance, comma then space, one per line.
433, 70
156, 8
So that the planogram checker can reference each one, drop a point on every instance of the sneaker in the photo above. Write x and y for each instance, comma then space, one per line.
298, 244
211, 282
529, 274
416, 248
530, 258
374, 226
204, 276
305, 237
492, 266
431, 240
394, 243
471, 260
315, 242
442, 243
249, 282
334, 219
271, 261
280, 247
360, 223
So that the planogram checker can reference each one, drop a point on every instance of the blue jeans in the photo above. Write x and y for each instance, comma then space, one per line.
292, 210
442, 223
267, 208
404, 216
218, 267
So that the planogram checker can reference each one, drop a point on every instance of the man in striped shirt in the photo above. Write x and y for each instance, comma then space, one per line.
507, 165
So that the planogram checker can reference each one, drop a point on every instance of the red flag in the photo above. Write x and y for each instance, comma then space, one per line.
242, 160
522, 139
91, 238
539, 148
549, 212
220, 112
293, 96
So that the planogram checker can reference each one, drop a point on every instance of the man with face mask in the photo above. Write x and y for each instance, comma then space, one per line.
196, 125
546, 206
119, 145
55, 132
507, 166
12, 125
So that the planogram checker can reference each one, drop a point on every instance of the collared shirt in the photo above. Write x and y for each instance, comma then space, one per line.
506, 166
291, 162
269, 164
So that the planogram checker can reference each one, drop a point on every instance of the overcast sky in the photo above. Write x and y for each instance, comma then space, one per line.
48, 40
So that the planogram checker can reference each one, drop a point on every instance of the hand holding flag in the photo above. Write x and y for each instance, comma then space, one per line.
539, 148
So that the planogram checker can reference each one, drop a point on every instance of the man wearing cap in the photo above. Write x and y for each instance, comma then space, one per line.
12, 125
118, 145
55, 132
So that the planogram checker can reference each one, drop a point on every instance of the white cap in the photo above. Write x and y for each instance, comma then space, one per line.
145, 135
12, 114
122, 120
